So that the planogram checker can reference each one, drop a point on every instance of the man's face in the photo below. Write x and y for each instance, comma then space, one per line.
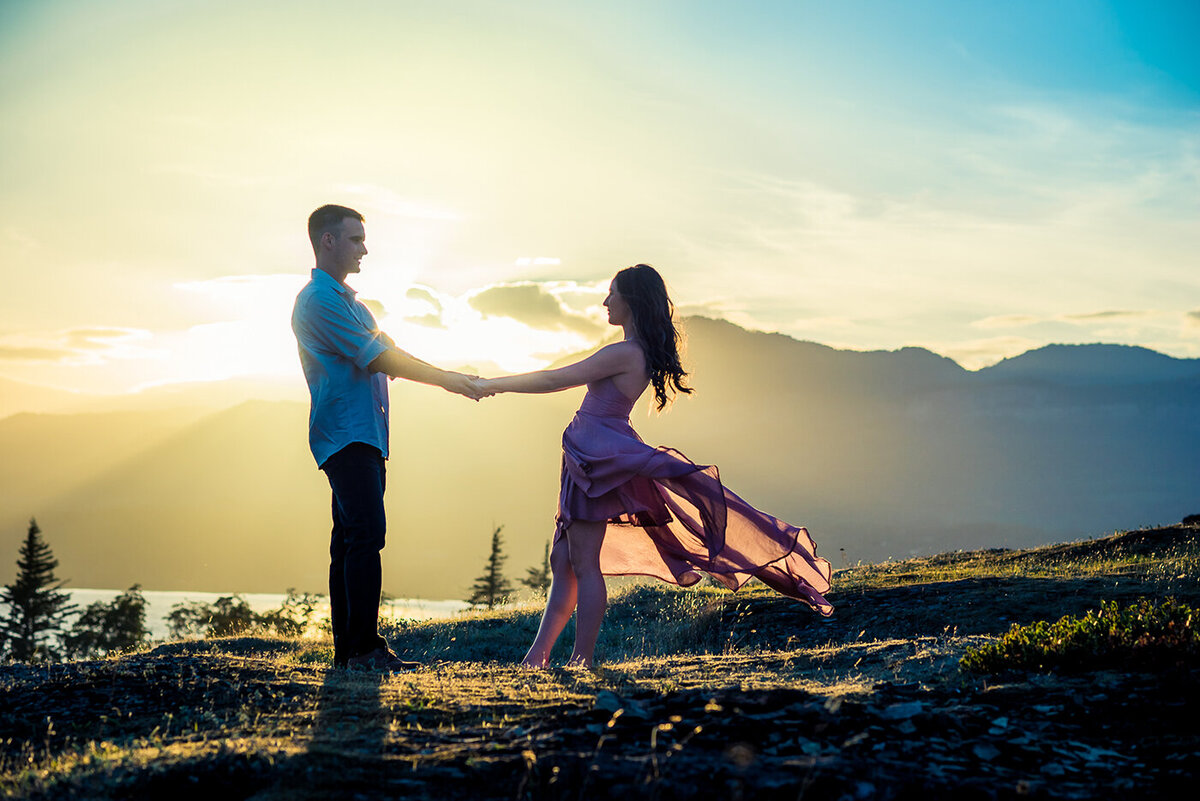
349, 246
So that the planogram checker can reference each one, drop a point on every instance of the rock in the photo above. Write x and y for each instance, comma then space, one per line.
864, 790
903, 711
986, 751
612, 703
607, 701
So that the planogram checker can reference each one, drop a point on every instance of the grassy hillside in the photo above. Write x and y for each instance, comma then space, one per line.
702, 693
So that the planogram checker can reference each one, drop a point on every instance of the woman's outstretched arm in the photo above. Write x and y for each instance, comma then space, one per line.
611, 360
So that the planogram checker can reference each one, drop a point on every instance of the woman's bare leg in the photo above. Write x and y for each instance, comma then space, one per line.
585, 538
560, 603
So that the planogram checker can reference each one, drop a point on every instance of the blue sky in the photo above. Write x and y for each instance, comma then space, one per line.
975, 178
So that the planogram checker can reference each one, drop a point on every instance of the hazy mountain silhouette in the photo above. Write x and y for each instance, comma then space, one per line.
881, 454
18, 396
1092, 364
45, 455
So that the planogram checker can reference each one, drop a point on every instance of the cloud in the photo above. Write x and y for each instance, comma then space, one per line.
1007, 321
1192, 319
1076, 319
98, 338
376, 306
33, 354
423, 294
426, 321
424, 308
15, 237
390, 203
76, 345
214, 178
1107, 315
534, 306
711, 309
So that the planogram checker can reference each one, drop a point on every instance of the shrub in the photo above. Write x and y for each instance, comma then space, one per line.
106, 628
1139, 636
231, 615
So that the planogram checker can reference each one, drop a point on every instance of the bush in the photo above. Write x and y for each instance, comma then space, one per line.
108, 628
1143, 635
231, 615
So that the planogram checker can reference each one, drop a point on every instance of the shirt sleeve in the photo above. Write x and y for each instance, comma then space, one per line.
328, 324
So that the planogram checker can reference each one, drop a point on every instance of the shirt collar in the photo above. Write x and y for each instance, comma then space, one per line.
322, 277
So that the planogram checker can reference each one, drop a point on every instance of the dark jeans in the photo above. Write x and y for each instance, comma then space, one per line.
357, 477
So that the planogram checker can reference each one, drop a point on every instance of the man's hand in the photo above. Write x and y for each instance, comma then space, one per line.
399, 364
483, 385
463, 385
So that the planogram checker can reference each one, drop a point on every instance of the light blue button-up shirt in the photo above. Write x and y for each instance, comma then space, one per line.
338, 337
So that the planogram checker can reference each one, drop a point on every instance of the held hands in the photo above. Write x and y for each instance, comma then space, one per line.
469, 386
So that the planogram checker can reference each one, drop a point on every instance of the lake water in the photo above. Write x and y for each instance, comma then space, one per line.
159, 604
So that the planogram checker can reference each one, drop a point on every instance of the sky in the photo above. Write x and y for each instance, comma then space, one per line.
976, 178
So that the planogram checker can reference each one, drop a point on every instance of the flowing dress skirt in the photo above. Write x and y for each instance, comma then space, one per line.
671, 518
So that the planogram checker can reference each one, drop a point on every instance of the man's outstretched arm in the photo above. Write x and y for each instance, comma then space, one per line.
399, 364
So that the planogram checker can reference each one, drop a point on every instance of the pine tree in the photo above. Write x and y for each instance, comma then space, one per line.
36, 609
492, 588
538, 578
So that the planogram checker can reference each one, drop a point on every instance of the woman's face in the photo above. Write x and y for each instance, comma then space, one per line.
618, 309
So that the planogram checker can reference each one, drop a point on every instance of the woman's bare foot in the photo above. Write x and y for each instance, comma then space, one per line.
534, 661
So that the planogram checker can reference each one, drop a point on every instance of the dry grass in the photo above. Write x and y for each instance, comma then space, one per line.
687, 682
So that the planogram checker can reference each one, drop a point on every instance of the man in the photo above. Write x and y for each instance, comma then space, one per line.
346, 361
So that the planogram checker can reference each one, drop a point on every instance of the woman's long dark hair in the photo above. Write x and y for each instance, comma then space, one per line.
643, 290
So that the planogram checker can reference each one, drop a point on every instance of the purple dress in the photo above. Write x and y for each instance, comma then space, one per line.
671, 518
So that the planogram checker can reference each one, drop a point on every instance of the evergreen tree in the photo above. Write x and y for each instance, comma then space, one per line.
106, 628
492, 588
35, 607
538, 578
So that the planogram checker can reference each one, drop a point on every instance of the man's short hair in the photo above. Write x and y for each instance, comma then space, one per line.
328, 218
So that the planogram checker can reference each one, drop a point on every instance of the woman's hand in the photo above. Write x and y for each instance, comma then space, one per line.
462, 384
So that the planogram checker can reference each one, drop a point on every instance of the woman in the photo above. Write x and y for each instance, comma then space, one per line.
626, 508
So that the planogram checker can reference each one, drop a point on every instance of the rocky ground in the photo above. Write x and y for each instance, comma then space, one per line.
870, 706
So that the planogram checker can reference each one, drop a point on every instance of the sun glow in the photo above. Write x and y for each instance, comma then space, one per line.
485, 344
447, 330
251, 336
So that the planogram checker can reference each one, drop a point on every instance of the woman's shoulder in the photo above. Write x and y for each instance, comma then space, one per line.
631, 356
626, 349
619, 357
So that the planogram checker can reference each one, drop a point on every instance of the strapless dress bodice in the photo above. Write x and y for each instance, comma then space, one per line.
603, 399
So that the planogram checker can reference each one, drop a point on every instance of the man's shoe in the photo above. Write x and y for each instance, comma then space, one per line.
380, 659
403, 663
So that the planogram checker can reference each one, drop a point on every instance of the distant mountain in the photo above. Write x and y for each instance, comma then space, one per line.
1093, 364
234, 501
209, 395
46, 455
18, 396
880, 454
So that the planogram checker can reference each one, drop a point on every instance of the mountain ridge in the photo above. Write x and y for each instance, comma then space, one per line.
1052, 363
1095, 362
885, 453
